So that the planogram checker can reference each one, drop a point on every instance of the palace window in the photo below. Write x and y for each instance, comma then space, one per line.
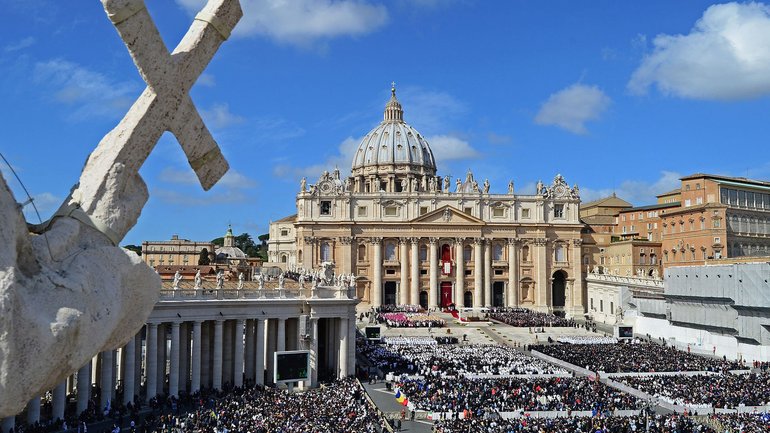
497, 252
361, 253
559, 254
390, 251
326, 252
423, 210
284, 232
498, 212
424, 253
525, 213
391, 211
326, 207
468, 210
467, 253
362, 211
558, 211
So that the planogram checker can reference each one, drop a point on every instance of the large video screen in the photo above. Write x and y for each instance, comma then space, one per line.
292, 366
625, 332
372, 332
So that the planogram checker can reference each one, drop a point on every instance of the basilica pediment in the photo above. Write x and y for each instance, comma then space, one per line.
447, 215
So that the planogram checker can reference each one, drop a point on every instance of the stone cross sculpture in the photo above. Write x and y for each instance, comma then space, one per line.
68, 292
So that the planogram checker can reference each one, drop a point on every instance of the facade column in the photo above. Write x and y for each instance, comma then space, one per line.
280, 339
459, 274
106, 377
314, 355
84, 387
58, 401
488, 273
206, 335
271, 327
259, 363
375, 297
238, 353
347, 254
227, 352
478, 271
414, 288
161, 372
173, 374
342, 359
195, 380
512, 294
403, 256
216, 380
33, 411
433, 286
184, 355
129, 355
543, 285
151, 375
576, 306
249, 361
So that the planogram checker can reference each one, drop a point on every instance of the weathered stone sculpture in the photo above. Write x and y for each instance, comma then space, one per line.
68, 291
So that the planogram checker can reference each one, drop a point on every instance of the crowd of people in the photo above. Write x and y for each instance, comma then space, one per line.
524, 317
478, 396
390, 308
410, 320
744, 422
634, 357
587, 339
622, 424
714, 390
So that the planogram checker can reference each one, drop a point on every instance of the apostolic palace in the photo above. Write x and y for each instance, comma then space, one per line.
412, 236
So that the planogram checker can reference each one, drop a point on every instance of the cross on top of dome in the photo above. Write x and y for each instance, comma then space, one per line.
393, 110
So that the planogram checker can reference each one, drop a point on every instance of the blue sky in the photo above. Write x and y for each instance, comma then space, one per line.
623, 96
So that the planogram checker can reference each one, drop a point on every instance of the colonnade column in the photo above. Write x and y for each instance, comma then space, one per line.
59, 400
433, 257
314, 355
459, 274
250, 353
33, 411
105, 378
195, 380
403, 288
259, 368
342, 357
151, 361
84, 387
238, 368
513, 271
216, 381
488, 272
184, 355
129, 355
206, 333
173, 374
478, 268
375, 297
414, 289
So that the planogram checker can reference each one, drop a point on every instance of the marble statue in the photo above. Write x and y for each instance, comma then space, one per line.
404, 184
302, 281
280, 281
446, 184
198, 279
303, 185
432, 184
220, 280
261, 281
459, 184
510, 187
67, 291
475, 186
655, 274
240, 280
423, 184
540, 188
486, 186
177, 279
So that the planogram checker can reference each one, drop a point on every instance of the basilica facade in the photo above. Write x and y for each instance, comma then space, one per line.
412, 236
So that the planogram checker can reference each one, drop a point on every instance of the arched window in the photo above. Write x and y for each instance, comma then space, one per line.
525, 253
390, 250
284, 258
497, 252
326, 252
362, 253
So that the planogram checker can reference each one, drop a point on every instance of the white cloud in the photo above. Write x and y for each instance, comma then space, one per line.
20, 45
342, 159
92, 93
232, 179
206, 80
45, 203
219, 116
636, 192
572, 107
448, 148
303, 21
725, 56
430, 111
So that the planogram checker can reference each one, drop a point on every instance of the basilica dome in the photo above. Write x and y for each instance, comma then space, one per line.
394, 146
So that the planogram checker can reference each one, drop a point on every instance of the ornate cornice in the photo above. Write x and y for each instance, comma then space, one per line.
346, 240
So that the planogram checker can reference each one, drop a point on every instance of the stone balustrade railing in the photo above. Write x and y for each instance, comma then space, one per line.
228, 293
630, 280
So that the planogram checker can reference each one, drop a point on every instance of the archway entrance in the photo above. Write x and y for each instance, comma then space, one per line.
424, 299
558, 286
498, 293
468, 299
446, 294
389, 297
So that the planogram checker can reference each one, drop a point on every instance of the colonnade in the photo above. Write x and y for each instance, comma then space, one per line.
169, 358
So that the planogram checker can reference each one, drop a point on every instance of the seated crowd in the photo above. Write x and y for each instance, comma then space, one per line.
717, 390
587, 339
410, 320
628, 357
523, 317
624, 424
440, 394
390, 308
744, 422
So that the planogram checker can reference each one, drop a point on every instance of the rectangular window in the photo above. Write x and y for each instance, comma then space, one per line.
362, 211
687, 203
391, 211
423, 210
390, 271
558, 211
326, 207
284, 232
698, 200
601, 305
717, 223
498, 212
423, 272
717, 240
723, 196
525, 213
742, 198
733, 197
498, 272
468, 210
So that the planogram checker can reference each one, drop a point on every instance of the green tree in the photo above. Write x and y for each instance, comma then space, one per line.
218, 242
264, 238
203, 258
135, 248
